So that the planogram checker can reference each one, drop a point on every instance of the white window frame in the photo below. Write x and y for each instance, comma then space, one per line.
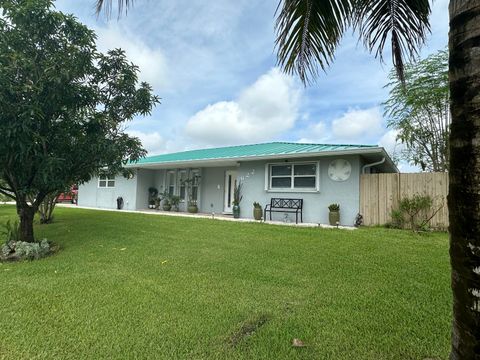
179, 183
292, 188
107, 179
198, 172
167, 182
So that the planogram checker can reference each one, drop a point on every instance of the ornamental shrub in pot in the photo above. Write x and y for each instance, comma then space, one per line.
334, 214
192, 207
237, 198
175, 201
166, 205
257, 211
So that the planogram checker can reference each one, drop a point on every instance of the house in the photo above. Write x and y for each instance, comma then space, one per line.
319, 174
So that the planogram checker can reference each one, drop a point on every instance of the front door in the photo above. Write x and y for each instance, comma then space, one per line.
230, 182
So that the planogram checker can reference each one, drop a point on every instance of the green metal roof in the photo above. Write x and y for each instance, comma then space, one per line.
248, 151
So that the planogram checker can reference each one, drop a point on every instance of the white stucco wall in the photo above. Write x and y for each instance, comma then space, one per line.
315, 204
252, 175
89, 194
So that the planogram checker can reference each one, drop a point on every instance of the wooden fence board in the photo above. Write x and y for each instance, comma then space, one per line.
381, 193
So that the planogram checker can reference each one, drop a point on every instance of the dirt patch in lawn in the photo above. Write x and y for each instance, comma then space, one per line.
247, 329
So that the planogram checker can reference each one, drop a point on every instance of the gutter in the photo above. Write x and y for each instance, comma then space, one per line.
364, 167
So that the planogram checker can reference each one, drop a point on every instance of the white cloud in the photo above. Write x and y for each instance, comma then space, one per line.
390, 143
151, 61
354, 126
316, 133
358, 123
153, 142
263, 111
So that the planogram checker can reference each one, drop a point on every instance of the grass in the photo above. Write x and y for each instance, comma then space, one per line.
133, 286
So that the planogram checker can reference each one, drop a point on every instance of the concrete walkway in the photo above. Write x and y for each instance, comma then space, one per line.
212, 216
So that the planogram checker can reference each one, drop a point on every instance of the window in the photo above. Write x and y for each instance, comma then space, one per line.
301, 176
106, 181
195, 184
171, 182
182, 176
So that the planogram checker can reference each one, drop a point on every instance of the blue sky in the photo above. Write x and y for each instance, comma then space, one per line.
214, 66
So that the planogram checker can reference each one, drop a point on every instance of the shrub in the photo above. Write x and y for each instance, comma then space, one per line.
30, 251
413, 213
11, 231
14, 249
46, 208
334, 207
21, 250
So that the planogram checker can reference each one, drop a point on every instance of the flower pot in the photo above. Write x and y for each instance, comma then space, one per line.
167, 207
257, 213
193, 209
334, 218
236, 211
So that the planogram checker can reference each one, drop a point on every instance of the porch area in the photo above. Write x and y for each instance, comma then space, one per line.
174, 190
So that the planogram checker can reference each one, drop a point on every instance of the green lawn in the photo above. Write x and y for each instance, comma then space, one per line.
133, 286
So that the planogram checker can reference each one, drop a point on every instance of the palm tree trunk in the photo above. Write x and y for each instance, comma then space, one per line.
464, 194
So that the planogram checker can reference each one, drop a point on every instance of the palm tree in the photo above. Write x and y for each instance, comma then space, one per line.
308, 33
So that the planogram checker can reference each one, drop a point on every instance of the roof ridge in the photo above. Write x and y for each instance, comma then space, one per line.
218, 147
318, 144
256, 144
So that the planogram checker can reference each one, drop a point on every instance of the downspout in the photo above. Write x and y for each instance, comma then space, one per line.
364, 167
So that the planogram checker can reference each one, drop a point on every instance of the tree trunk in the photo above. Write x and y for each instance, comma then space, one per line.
26, 214
46, 208
464, 192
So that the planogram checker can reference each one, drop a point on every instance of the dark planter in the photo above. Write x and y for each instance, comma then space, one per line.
236, 211
167, 207
334, 218
193, 209
257, 213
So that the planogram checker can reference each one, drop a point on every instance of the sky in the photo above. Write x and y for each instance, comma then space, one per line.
213, 63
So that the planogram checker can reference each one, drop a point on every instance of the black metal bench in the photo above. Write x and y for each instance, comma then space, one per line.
285, 206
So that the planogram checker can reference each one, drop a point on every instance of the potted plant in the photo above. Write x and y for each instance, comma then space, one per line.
334, 214
189, 184
192, 207
175, 201
167, 206
237, 198
152, 195
151, 204
257, 211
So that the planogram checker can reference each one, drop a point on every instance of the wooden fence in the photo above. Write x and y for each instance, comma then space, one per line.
380, 194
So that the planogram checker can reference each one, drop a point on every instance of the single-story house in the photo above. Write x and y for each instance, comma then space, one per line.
319, 174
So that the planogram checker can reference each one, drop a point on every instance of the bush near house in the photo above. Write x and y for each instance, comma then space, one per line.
414, 213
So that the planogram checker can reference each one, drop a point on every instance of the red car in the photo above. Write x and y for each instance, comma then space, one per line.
70, 196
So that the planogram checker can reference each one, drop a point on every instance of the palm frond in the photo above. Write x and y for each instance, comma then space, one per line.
308, 32
405, 22
107, 5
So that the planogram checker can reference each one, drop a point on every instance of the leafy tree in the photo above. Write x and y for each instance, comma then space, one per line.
63, 105
308, 33
419, 109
